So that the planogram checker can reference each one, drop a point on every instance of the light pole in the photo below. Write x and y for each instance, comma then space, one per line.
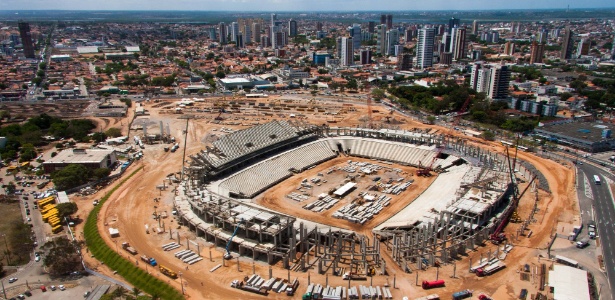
181, 281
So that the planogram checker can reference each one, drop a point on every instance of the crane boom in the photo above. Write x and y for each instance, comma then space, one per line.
228, 244
369, 108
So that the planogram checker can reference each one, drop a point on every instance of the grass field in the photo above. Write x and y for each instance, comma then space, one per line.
11, 212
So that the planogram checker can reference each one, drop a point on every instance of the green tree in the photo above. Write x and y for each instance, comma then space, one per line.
66, 209
378, 94
71, 176
488, 135
220, 74
101, 173
62, 256
113, 132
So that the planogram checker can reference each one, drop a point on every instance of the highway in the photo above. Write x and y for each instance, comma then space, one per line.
604, 214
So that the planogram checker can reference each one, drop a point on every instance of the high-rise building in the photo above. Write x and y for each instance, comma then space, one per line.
543, 36
424, 48
26, 39
234, 31
292, 28
278, 40
239, 41
583, 47
389, 21
366, 56
256, 32
567, 44
408, 35
381, 42
500, 79
404, 61
458, 43
355, 33
265, 41
440, 30
223, 34
537, 51
383, 19
212, 33
274, 18
392, 40
452, 23
475, 27
509, 48
347, 55
371, 26
319, 26
247, 34
492, 80
446, 58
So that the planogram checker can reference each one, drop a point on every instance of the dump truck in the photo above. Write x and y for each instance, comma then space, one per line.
149, 260
290, 290
166, 271
488, 270
432, 284
126, 246
353, 276
462, 295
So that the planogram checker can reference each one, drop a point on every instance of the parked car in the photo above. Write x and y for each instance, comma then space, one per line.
12, 279
53, 287
43, 288
28, 293
61, 287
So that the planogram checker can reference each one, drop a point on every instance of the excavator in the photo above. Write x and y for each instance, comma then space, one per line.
228, 255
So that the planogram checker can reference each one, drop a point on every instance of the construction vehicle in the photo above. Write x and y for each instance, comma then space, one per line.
353, 276
228, 244
462, 295
498, 236
166, 271
126, 246
290, 290
236, 284
490, 269
432, 284
149, 260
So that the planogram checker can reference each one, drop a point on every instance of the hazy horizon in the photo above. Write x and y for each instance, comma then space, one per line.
298, 5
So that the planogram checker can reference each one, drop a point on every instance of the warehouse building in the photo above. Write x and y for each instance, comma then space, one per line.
587, 136
91, 158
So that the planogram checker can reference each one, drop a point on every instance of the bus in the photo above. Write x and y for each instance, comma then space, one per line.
596, 179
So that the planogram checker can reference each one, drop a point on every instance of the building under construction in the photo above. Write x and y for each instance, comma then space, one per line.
461, 208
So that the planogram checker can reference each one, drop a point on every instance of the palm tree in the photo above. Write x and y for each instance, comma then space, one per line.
136, 291
119, 292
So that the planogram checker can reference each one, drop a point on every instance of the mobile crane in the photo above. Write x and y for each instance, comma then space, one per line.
228, 244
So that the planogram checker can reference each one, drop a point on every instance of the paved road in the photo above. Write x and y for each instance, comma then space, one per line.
604, 209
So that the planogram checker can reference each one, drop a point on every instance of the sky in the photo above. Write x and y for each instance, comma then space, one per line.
298, 5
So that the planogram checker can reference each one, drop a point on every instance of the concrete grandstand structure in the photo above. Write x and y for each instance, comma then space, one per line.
459, 210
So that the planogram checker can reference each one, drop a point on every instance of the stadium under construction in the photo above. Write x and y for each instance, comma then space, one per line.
464, 206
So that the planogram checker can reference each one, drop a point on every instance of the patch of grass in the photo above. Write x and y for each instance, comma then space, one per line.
134, 275
11, 213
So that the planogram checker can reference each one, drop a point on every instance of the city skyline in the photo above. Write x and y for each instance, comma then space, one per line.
298, 5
